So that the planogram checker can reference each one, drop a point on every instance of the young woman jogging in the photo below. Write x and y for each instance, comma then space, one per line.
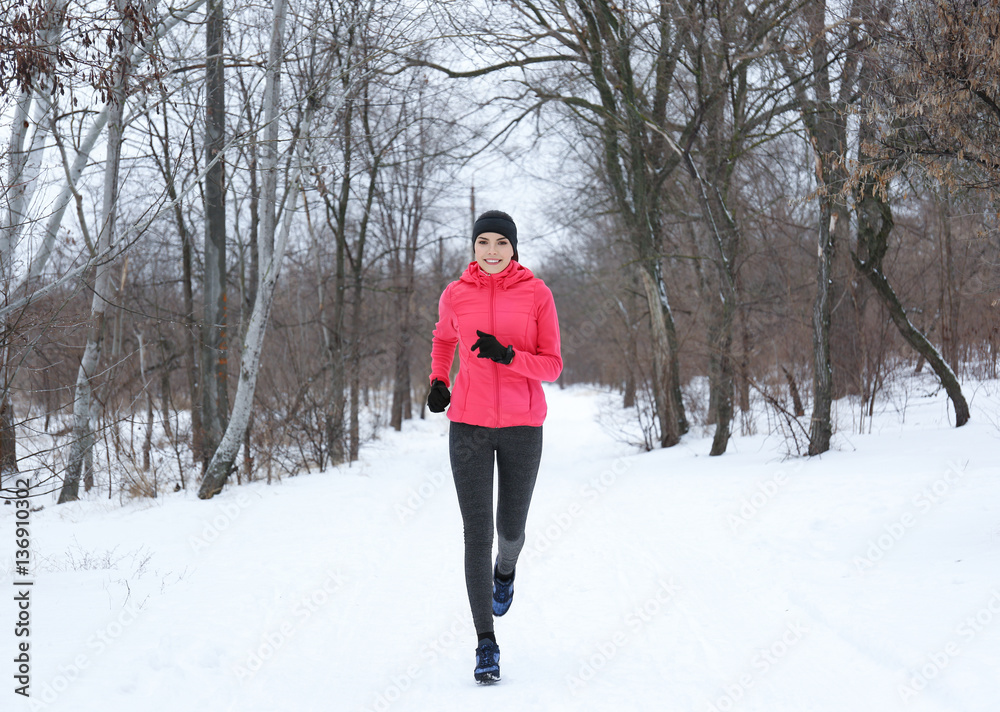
504, 321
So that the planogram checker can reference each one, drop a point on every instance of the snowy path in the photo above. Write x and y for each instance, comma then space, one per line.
657, 581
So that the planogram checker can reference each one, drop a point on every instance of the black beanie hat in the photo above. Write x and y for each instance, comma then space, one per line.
499, 222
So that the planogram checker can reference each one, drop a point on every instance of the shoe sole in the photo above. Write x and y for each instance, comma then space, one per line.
487, 678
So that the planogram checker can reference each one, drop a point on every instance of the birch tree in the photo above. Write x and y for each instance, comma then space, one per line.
135, 25
271, 250
35, 77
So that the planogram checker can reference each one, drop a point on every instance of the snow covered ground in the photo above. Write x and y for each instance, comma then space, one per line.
864, 580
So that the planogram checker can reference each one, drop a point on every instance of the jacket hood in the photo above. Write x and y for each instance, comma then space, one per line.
515, 272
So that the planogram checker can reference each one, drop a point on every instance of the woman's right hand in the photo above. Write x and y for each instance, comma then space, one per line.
439, 397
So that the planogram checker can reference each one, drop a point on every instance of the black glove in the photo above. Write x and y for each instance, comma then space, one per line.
439, 397
490, 348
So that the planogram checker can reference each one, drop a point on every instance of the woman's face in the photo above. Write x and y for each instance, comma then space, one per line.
493, 252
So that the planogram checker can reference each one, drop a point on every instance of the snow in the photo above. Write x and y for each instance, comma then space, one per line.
864, 579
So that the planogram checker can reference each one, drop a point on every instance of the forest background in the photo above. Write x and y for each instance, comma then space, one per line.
225, 227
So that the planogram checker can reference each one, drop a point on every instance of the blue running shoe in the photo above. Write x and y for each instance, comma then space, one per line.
503, 592
487, 662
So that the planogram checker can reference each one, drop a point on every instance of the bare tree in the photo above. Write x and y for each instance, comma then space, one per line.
214, 356
735, 114
827, 67
135, 24
272, 243
160, 152
875, 224
36, 43
935, 101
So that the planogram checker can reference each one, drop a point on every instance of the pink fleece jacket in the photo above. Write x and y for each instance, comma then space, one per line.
517, 308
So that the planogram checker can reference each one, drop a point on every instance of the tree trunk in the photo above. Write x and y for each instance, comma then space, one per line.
82, 441
336, 432
635, 184
23, 167
821, 428
401, 380
823, 117
674, 357
192, 343
354, 369
337, 405
253, 282
875, 223
724, 237
406, 280
11, 227
147, 443
165, 406
400, 371
745, 351
354, 432
334, 333
631, 349
190, 327
215, 376
793, 390
357, 264
271, 253
224, 458
720, 333
8, 439
720, 336
668, 408
951, 295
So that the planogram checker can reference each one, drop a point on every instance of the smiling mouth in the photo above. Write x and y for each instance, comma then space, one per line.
492, 262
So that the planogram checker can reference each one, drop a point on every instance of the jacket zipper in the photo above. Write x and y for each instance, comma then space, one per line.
496, 366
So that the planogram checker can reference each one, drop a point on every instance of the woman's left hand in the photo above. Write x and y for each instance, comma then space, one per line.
490, 348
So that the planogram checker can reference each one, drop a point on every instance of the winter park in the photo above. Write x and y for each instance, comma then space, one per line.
477, 354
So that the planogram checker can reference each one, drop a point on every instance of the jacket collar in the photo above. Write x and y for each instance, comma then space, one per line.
514, 272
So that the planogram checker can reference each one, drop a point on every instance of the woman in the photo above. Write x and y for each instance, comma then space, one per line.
505, 321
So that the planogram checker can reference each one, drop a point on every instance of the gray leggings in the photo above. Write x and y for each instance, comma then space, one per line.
517, 450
